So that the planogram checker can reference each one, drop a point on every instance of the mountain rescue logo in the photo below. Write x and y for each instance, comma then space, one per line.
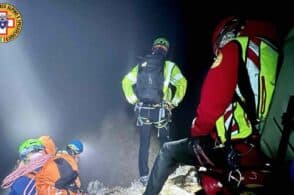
10, 22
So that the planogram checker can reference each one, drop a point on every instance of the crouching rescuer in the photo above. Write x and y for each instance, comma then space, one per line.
235, 98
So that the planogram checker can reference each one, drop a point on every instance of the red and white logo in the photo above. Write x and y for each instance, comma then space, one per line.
10, 22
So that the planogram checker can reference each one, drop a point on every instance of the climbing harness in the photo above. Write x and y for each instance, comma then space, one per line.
160, 122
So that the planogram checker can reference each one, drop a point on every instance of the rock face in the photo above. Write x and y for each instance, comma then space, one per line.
182, 182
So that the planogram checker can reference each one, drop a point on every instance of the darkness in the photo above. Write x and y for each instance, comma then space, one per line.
62, 75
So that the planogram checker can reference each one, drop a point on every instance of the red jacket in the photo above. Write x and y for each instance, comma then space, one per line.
220, 83
217, 90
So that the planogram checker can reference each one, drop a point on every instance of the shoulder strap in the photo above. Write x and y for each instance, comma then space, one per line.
245, 88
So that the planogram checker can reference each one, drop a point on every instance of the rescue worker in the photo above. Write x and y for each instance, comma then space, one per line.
32, 157
60, 174
234, 103
148, 87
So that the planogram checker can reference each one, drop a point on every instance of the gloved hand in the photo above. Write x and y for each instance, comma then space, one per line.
201, 147
169, 106
203, 141
193, 141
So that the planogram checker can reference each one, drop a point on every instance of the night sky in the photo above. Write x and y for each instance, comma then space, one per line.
62, 75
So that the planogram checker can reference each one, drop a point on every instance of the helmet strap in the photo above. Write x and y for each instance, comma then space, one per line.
70, 151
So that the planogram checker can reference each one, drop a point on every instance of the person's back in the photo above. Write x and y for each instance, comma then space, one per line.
248, 49
148, 87
51, 178
159, 74
60, 174
245, 73
32, 157
150, 79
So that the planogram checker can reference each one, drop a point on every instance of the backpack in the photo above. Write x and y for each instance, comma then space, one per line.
60, 174
150, 78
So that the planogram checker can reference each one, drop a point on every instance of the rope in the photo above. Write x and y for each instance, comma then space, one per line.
164, 115
25, 169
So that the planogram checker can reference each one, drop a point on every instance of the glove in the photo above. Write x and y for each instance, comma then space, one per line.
193, 141
204, 141
169, 106
201, 145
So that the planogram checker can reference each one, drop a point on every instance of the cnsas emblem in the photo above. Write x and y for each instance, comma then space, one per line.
10, 22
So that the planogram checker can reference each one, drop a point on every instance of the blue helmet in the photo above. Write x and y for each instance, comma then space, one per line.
75, 147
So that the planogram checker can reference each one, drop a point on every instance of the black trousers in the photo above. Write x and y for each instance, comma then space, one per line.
145, 135
170, 156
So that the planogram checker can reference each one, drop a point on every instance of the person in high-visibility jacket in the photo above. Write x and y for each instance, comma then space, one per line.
148, 87
234, 103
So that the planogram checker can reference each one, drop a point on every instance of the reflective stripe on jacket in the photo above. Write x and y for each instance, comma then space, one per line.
261, 67
24, 185
172, 75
